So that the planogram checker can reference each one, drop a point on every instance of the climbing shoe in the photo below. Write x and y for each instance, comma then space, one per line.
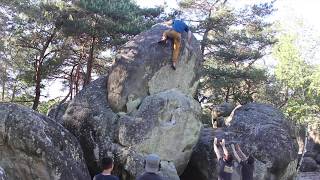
173, 67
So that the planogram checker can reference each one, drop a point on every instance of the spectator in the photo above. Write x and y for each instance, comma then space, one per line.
107, 166
152, 166
225, 167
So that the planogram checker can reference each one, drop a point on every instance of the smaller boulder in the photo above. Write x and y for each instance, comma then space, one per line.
57, 112
308, 165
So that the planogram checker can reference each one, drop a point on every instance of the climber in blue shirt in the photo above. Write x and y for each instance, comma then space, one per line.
178, 26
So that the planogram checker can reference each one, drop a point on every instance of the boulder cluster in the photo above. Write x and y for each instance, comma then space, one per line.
142, 106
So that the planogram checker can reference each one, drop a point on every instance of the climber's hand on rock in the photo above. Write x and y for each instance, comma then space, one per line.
223, 142
232, 146
215, 141
237, 146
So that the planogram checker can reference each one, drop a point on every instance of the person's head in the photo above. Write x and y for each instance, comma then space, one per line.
250, 160
106, 163
228, 159
152, 163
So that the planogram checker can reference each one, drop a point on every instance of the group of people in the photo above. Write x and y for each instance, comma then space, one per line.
225, 161
152, 164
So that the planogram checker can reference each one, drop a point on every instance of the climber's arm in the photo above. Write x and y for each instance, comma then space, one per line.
215, 148
235, 153
189, 37
241, 153
223, 144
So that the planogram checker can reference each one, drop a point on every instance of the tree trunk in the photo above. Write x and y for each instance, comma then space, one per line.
38, 85
13, 93
77, 79
227, 95
38, 68
4, 76
90, 62
204, 41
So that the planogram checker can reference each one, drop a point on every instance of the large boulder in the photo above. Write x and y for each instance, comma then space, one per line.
33, 146
92, 121
142, 67
261, 131
264, 132
167, 124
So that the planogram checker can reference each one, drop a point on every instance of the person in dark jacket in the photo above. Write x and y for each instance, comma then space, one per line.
107, 166
225, 166
152, 167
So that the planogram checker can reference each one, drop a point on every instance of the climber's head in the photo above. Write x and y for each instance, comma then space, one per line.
228, 159
250, 160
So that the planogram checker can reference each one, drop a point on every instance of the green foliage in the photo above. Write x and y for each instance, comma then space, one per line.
299, 81
45, 106
233, 40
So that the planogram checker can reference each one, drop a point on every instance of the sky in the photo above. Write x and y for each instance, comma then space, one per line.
289, 12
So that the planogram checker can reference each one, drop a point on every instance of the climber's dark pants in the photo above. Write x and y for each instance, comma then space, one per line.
176, 36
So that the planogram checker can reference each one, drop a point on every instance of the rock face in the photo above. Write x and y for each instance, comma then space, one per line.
142, 68
264, 132
92, 121
33, 146
203, 162
142, 106
166, 123
261, 131
308, 165
58, 111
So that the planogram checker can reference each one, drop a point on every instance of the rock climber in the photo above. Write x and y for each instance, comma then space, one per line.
178, 26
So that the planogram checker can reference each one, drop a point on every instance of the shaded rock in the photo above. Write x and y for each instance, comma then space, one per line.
92, 121
33, 146
58, 111
166, 124
264, 132
261, 131
308, 165
203, 162
142, 67
318, 159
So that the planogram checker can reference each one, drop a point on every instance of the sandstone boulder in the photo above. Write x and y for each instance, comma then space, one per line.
167, 124
92, 121
33, 146
264, 132
261, 131
142, 67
